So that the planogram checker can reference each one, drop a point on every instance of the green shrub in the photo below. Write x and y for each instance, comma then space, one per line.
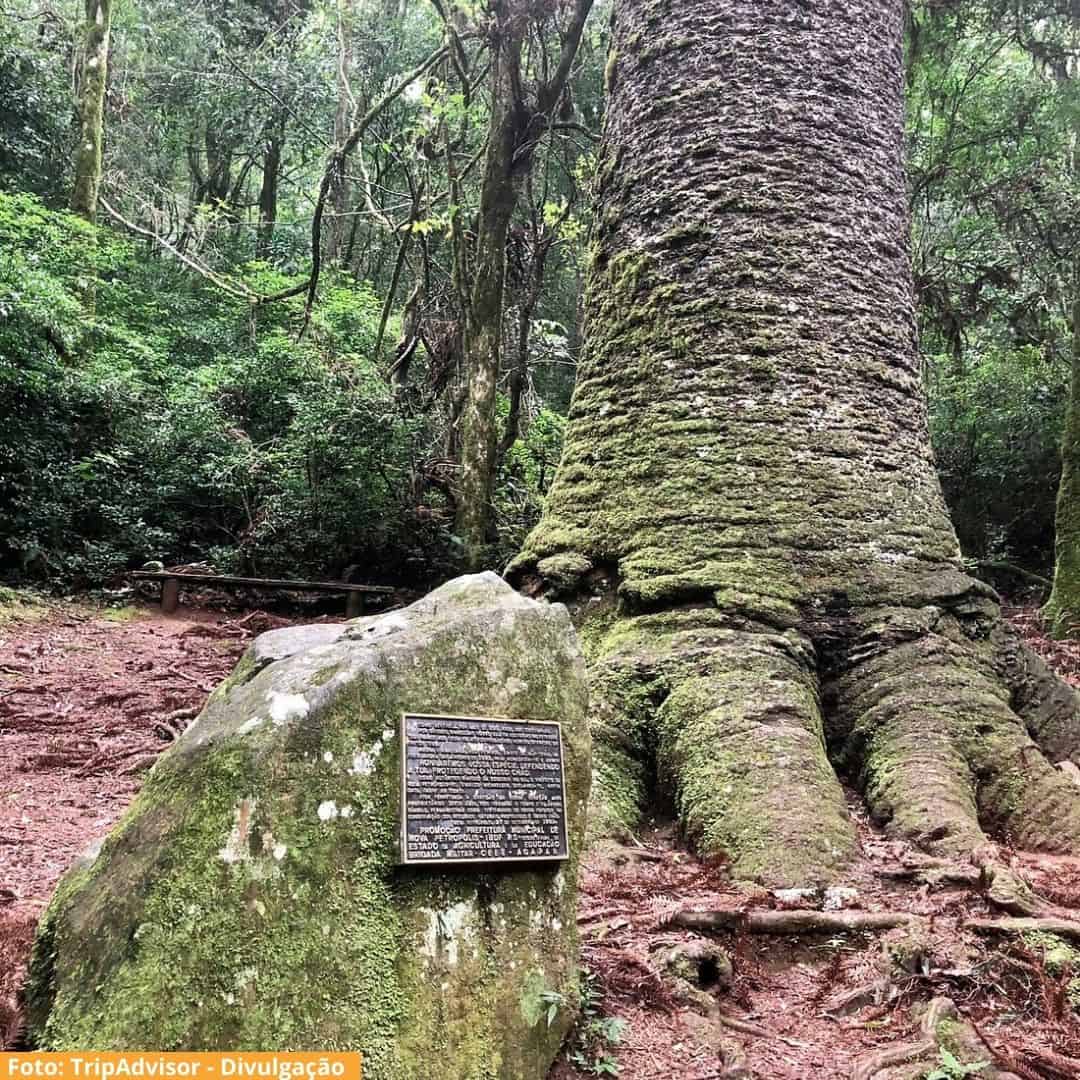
149, 415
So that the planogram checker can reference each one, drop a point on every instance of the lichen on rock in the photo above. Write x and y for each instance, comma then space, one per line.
251, 896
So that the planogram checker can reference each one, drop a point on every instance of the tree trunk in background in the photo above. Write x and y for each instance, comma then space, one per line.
516, 127
343, 118
268, 192
747, 495
1062, 610
93, 74
483, 317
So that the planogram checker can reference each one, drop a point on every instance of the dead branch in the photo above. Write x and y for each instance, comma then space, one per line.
791, 922
232, 288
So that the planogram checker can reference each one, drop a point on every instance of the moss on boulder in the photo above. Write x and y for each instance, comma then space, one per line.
251, 897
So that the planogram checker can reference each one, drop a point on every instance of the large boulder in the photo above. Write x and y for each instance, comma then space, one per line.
251, 897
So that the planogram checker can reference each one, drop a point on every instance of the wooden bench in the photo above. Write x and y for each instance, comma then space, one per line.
170, 587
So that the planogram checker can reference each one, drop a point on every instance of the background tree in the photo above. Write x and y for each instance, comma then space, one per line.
994, 204
221, 121
1052, 37
518, 121
93, 76
747, 486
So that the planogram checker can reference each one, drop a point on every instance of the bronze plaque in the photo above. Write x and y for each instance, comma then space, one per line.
478, 789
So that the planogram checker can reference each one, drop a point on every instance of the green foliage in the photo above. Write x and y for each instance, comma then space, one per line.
553, 1001
177, 424
951, 1068
527, 472
1060, 959
596, 1035
995, 201
996, 425
35, 110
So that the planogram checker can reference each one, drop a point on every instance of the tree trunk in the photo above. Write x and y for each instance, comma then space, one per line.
483, 318
343, 120
527, 304
516, 127
1062, 610
747, 476
268, 192
93, 76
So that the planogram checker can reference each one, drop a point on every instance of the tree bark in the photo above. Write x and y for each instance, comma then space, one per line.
343, 120
1062, 610
93, 76
747, 476
268, 190
482, 336
516, 127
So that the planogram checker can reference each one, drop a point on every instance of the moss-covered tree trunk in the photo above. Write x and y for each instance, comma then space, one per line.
747, 493
93, 75
520, 117
1060, 59
1062, 610
482, 338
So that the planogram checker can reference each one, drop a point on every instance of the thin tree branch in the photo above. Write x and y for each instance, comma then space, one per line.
241, 292
278, 98
335, 164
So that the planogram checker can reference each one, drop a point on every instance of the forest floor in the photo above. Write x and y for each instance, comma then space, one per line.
90, 696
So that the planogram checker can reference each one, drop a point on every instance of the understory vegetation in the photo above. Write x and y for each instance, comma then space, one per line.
150, 416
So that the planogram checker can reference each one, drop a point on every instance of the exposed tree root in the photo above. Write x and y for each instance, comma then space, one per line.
927, 870
1046, 703
951, 727
732, 719
1050, 1065
792, 922
1005, 890
939, 1009
851, 1001
1066, 928
923, 715
940, 1024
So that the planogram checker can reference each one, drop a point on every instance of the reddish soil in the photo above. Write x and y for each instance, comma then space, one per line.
789, 986
88, 699
87, 702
